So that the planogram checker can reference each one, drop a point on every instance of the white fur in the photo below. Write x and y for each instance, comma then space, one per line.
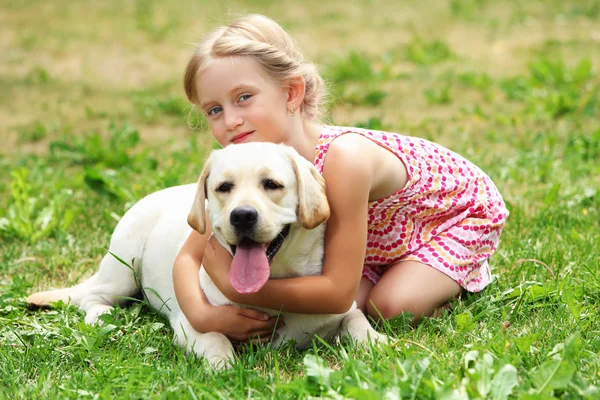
155, 228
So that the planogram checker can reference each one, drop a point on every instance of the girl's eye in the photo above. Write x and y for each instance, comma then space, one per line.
214, 110
244, 97
224, 187
269, 184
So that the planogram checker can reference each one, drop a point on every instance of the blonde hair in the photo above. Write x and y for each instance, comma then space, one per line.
275, 50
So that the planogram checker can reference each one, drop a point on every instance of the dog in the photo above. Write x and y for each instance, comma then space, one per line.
266, 205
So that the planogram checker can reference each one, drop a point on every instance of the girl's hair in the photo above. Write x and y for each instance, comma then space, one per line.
273, 47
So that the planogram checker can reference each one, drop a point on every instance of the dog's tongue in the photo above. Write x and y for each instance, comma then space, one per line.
250, 267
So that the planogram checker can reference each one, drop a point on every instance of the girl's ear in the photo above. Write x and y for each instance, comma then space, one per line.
296, 92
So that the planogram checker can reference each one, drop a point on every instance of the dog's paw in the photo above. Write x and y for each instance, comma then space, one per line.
371, 336
217, 349
213, 346
92, 314
379, 338
220, 362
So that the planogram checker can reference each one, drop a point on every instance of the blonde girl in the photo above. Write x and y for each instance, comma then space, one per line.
412, 223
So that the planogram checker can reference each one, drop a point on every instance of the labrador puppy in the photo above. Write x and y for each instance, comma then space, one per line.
266, 205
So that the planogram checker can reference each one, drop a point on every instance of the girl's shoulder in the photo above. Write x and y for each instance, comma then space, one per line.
364, 144
336, 130
331, 132
334, 138
390, 140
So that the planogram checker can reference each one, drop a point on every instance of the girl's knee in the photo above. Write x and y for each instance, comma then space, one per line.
379, 307
387, 307
410, 286
379, 310
363, 294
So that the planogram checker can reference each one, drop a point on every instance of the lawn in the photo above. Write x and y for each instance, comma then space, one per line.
93, 117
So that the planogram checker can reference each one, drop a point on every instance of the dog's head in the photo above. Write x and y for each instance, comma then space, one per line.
255, 192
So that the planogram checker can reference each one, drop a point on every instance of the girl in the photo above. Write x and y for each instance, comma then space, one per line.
412, 224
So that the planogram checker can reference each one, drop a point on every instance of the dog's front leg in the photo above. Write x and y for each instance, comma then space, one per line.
213, 346
356, 325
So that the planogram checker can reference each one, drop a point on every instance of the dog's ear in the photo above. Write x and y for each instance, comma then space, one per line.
197, 216
313, 208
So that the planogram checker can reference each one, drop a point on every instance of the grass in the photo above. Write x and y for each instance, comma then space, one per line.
94, 118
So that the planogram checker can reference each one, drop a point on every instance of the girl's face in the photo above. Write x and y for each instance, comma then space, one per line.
241, 103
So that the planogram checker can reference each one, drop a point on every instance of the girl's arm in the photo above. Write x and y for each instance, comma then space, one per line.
348, 187
237, 324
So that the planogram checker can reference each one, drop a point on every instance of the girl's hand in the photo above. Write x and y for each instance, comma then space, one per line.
243, 325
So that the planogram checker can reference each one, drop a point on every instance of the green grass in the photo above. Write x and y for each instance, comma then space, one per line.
93, 117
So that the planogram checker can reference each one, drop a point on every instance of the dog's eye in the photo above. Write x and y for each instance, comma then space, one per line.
269, 184
224, 187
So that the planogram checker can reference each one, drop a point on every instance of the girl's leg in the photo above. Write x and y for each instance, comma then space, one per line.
363, 294
411, 286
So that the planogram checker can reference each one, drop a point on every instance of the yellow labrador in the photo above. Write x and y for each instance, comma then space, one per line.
266, 204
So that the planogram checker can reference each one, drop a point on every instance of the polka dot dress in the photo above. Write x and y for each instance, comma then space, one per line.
449, 215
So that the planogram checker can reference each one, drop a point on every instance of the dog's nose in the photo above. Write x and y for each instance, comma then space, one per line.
243, 218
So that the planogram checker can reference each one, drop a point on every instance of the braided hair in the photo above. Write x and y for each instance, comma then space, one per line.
274, 49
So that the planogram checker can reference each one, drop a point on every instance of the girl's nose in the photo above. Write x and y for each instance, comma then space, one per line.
233, 120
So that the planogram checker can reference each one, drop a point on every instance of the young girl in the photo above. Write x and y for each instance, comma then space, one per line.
412, 224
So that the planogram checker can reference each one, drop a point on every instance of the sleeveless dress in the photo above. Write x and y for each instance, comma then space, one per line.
449, 215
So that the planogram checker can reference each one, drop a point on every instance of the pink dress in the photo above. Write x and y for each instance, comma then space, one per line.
449, 215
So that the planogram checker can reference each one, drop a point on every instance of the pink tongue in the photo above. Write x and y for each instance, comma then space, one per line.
250, 268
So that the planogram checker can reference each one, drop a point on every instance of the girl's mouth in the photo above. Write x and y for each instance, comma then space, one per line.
241, 137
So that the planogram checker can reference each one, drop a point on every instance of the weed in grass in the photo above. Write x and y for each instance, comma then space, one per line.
146, 20
558, 47
554, 90
38, 75
425, 53
108, 161
175, 106
583, 8
92, 113
481, 82
28, 41
31, 218
483, 379
151, 107
355, 78
107, 181
372, 98
467, 9
33, 133
414, 377
478, 111
355, 67
583, 147
438, 95
371, 123
114, 152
